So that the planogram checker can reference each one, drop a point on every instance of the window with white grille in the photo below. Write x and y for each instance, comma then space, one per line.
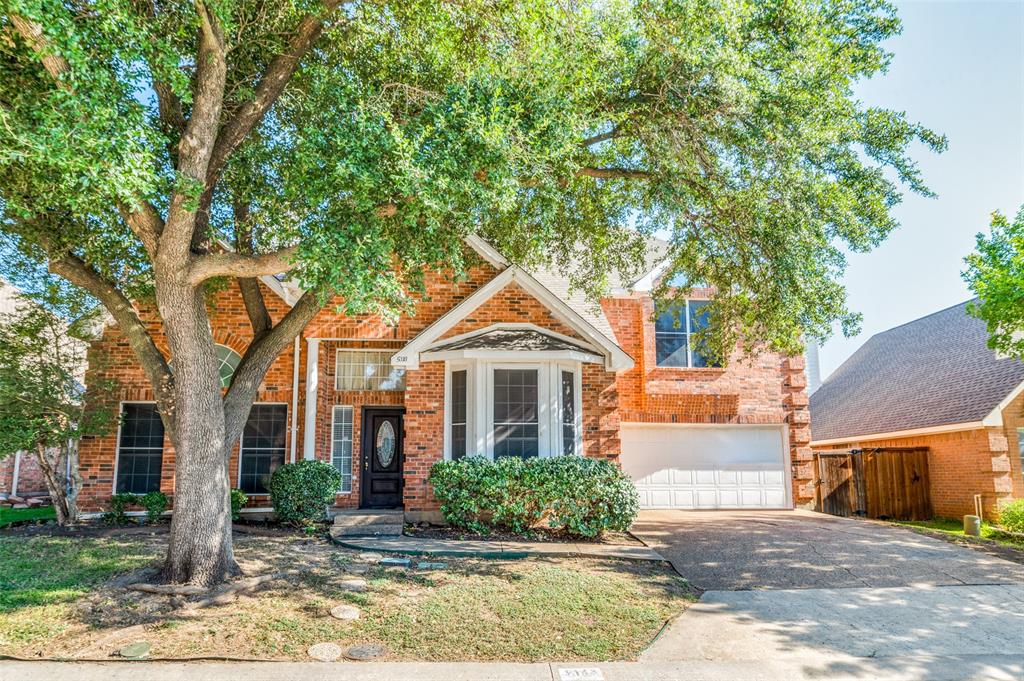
367, 370
341, 446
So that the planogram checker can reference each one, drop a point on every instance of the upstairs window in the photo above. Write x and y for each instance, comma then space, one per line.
675, 335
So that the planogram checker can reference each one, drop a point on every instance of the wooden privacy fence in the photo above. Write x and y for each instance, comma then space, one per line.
890, 482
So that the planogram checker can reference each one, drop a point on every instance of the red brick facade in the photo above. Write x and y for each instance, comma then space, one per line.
763, 389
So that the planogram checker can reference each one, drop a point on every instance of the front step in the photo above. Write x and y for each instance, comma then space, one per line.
359, 518
368, 523
367, 531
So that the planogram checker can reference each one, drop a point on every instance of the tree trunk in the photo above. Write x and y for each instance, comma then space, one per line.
200, 548
55, 485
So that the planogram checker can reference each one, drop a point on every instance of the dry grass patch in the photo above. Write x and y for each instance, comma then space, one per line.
535, 609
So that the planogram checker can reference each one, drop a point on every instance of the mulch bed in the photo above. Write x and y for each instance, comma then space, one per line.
540, 536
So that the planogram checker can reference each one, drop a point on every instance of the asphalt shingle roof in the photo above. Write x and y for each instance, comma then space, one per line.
933, 371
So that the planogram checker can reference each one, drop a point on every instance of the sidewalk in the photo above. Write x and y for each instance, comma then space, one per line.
954, 668
495, 549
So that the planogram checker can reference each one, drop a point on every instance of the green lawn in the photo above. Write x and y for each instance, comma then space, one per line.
956, 528
53, 603
14, 515
40, 576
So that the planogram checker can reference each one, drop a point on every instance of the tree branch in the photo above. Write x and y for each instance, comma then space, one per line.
32, 33
614, 173
241, 265
249, 114
79, 273
601, 137
145, 223
197, 142
260, 354
252, 296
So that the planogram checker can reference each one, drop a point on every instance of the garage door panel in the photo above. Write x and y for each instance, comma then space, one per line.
701, 467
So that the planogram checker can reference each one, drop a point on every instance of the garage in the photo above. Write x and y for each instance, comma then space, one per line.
697, 466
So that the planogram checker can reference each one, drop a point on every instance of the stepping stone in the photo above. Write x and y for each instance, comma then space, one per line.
396, 562
345, 612
135, 651
353, 584
366, 651
324, 652
371, 557
357, 568
431, 566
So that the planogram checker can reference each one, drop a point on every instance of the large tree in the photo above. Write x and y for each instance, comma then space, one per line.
355, 145
995, 273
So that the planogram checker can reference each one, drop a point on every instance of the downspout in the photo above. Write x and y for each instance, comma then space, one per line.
312, 383
295, 398
14, 477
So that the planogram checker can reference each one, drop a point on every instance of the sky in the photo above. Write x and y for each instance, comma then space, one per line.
958, 68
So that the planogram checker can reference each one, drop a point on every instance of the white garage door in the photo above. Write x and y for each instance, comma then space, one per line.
706, 466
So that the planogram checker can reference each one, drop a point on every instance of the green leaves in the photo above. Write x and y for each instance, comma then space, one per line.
730, 127
995, 273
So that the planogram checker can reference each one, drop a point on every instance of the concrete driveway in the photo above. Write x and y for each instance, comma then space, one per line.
731, 550
834, 598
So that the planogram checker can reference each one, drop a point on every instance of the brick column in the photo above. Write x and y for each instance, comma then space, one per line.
798, 417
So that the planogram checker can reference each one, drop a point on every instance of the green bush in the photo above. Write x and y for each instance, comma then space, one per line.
119, 503
584, 497
238, 500
590, 496
301, 492
1011, 516
155, 504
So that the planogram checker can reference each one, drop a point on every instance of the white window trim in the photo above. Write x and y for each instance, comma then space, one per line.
480, 405
688, 333
241, 445
337, 373
352, 454
117, 442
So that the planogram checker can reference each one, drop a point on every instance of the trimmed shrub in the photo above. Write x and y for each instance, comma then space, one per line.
155, 504
590, 496
301, 492
581, 496
1011, 516
238, 500
119, 503
467, 491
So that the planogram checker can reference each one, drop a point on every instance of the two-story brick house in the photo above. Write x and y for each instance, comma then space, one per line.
502, 362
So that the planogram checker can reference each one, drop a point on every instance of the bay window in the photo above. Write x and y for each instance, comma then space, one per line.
519, 409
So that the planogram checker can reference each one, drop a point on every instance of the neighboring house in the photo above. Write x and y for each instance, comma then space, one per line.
933, 383
502, 363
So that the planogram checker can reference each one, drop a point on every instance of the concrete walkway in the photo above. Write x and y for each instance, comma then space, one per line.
727, 550
413, 546
947, 668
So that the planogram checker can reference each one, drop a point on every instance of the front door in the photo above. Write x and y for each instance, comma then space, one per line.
382, 457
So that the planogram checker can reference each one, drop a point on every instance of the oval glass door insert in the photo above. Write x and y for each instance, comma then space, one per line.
385, 444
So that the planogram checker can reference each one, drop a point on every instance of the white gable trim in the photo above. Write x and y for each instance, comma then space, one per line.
614, 356
647, 282
995, 417
487, 252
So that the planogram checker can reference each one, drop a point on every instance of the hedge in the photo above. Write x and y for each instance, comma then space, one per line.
584, 497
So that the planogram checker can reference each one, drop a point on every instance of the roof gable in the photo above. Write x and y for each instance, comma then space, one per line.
933, 371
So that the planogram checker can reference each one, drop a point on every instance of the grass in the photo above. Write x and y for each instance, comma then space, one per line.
41, 576
955, 528
475, 609
14, 515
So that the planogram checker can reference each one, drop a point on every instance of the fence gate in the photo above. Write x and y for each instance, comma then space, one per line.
876, 483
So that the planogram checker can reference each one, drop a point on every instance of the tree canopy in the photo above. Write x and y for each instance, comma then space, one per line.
995, 273
358, 143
